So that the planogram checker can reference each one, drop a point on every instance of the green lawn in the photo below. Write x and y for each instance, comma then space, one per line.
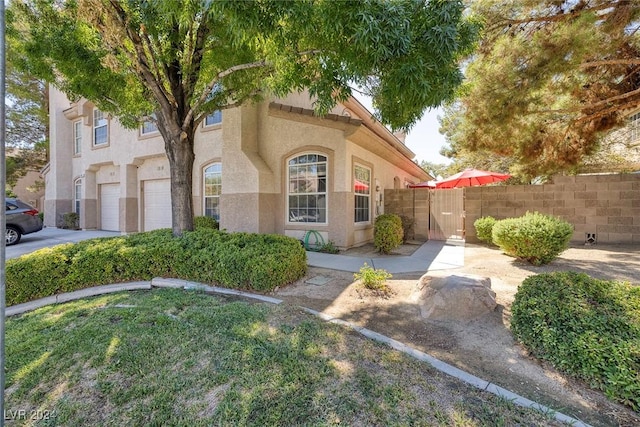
170, 357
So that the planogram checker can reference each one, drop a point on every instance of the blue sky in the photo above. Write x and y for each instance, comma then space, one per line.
423, 139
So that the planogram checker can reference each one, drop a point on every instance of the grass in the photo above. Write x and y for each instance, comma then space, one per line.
169, 357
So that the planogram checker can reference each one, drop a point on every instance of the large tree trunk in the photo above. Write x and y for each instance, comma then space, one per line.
181, 157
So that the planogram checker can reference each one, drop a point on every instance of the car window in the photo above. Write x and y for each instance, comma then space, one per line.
11, 206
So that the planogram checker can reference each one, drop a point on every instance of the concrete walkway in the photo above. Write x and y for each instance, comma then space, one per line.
432, 255
52, 236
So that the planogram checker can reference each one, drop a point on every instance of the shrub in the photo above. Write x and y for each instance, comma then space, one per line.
205, 222
70, 221
328, 248
534, 237
371, 278
236, 260
586, 327
387, 233
41, 215
484, 228
407, 228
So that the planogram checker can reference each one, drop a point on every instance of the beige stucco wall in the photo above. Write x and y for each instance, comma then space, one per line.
26, 190
253, 143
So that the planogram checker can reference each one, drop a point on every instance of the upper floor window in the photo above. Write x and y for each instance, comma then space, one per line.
307, 189
212, 190
362, 190
77, 195
100, 128
149, 126
77, 137
634, 127
214, 118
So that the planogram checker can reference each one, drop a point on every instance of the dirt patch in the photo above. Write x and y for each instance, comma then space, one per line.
484, 346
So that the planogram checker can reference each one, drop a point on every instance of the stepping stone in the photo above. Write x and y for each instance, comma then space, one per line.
318, 280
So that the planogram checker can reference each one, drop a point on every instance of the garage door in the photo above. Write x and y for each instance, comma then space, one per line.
110, 207
157, 204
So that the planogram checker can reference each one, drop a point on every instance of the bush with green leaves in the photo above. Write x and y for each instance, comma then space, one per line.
205, 222
371, 278
70, 221
484, 228
407, 227
533, 237
586, 327
329, 248
257, 262
387, 233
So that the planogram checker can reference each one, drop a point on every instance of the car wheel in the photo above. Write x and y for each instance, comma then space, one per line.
12, 235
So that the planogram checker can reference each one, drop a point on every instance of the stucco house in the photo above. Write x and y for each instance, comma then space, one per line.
273, 167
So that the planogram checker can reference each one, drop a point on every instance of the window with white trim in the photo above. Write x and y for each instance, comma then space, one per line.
634, 127
77, 137
212, 190
100, 128
362, 191
213, 119
77, 195
149, 126
307, 189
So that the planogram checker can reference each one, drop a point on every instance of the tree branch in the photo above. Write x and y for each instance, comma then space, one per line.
593, 64
144, 70
557, 17
216, 79
228, 106
231, 70
595, 104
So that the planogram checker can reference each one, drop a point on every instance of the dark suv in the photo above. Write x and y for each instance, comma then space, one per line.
21, 219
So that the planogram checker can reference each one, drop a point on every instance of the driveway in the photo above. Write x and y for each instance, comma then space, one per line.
51, 236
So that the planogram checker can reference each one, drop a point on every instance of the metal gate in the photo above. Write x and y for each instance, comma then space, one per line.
446, 214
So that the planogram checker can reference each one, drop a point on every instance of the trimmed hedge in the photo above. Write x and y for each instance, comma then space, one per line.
586, 327
533, 237
387, 232
205, 222
257, 262
484, 228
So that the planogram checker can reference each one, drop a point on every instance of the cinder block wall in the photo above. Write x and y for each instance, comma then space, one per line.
413, 203
605, 205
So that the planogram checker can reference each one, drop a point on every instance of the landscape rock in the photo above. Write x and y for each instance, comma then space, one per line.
454, 297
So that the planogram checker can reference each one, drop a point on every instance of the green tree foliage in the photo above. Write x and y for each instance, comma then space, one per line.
183, 60
434, 169
26, 120
549, 81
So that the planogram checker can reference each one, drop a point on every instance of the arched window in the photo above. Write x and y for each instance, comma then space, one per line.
212, 190
307, 189
77, 195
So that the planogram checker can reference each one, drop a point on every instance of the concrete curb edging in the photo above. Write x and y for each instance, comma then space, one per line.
451, 370
71, 296
159, 282
441, 366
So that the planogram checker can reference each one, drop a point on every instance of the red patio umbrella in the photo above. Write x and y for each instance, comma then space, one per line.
471, 178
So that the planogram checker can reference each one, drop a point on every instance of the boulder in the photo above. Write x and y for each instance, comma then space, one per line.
457, 297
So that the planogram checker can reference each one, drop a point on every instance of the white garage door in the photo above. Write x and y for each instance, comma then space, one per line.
110, 207
157, 204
